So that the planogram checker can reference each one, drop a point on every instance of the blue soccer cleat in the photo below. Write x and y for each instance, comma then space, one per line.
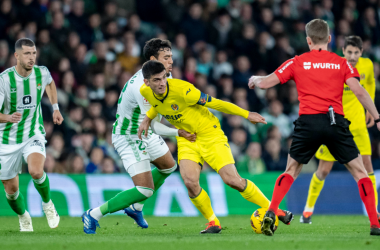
89, 223
137, 216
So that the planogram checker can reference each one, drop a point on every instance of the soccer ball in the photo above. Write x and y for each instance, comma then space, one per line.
257, 219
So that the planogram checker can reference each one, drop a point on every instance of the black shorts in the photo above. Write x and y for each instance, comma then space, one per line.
311, 131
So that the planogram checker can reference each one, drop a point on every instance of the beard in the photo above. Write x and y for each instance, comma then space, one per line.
26, 66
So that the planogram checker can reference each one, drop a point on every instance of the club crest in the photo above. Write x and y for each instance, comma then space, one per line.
175, 107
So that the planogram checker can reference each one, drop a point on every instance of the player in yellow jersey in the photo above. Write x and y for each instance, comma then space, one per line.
185, 107
355, 113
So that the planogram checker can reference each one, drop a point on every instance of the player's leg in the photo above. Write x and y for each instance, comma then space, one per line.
17, 203
141, 177
369, 168
190, 172
366, 191
165, 165
315, 188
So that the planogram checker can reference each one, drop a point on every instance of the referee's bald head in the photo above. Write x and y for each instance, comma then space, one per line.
318, 31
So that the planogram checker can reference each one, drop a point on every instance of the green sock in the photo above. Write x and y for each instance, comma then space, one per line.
17, 202
158, 180
124, 199
43, 187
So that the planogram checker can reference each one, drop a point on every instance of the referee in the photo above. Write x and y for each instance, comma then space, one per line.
320, 76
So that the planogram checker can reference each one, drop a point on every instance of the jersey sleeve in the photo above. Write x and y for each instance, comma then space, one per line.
191, 94
152, 113
141, 101
370, 83
286, 71
46, 76
2, 92
350, 71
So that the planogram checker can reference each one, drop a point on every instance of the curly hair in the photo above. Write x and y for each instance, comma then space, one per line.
154, 45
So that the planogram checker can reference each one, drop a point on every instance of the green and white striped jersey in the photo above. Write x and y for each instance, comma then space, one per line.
131, 107
22, 95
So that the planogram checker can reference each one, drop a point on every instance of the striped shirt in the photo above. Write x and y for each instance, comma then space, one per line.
22, 95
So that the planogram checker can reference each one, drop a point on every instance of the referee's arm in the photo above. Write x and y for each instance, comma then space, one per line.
263, 82
363, 97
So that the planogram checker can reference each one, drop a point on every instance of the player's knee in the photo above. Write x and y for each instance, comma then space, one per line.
322, 174
191, 184
36, 173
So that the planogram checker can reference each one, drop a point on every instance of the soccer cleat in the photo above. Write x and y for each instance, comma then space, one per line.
375, 231
25, 222
89, 223
286, 216
51, 214
137, 216
306, 217
212, 228
268, 227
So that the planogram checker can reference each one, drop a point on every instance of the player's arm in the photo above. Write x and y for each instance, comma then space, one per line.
51, 92
363, 97
263, 82
194, 96
370, 86
13, 118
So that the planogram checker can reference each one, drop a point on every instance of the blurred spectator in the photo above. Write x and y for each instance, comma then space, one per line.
107, 166
275, 116
221, 65
251, 161
204, 65
238, 142
220, 33
242, 72
275, 159
96, 158
193, 26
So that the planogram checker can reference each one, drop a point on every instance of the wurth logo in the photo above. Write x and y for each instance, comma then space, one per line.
307, 65
326, 66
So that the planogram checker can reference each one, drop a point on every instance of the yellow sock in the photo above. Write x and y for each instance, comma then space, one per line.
315, 188
253, 194
373, 179
203, 203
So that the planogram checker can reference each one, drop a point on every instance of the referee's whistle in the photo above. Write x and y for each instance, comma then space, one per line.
332, 115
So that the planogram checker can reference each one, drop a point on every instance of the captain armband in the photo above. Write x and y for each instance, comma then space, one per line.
204, 98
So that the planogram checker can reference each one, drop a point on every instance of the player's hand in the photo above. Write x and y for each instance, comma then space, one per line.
144, 127
254, 118
57, 117
251, 82
369, 120
187, 135
14, 118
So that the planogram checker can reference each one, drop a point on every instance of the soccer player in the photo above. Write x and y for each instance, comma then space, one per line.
22, 133
185, 107
354, 112
320, 76
138, 154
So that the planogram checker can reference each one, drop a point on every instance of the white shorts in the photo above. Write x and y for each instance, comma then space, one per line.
11, 155
132, 150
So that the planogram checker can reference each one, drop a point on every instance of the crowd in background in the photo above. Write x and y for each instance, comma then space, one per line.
93, 47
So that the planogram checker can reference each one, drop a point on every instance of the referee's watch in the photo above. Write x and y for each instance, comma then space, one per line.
377, 120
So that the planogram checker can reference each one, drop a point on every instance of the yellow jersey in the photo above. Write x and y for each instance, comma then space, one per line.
185, 107
352, 108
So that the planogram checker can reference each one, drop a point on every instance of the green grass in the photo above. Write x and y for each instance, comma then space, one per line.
119, 232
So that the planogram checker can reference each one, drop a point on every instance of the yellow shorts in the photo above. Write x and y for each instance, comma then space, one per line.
362, 141
211, 147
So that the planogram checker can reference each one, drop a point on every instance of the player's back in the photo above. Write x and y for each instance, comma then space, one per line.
319, 76
180, 107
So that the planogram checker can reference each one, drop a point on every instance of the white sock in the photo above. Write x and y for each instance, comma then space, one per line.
137, 207
47, 204
96, 214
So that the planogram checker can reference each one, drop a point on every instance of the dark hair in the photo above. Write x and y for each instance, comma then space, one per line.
355, 41
318, 31
23, 42
154, 45
152, 67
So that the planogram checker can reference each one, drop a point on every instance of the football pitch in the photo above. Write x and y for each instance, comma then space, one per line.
119, 232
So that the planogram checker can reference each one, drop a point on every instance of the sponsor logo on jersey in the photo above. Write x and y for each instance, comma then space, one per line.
326, 66
27, 106
13, 90
175, 107
307, 65
146, 102
26, 101
283, 68
36, 143
362, 77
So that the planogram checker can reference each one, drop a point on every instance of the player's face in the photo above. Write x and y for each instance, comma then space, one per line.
26, 57
165, 57
352, 54
157, 83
